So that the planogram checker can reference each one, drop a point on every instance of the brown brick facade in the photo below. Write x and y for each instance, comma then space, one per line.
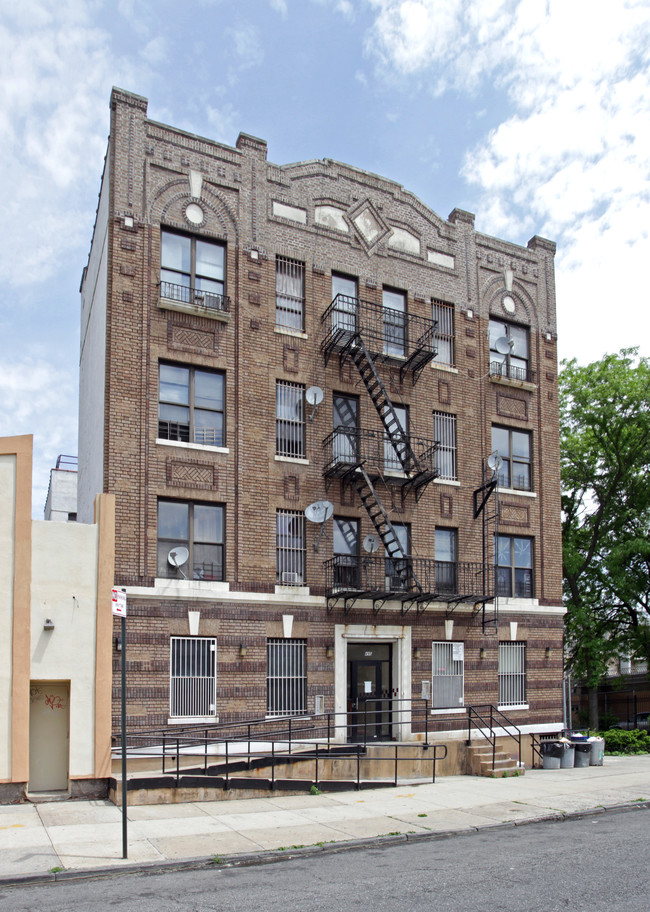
154, 175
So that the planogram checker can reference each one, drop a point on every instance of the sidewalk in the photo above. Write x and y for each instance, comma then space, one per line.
86, 836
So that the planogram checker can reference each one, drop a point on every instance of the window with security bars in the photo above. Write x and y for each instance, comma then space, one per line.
286, 677
443, 315
289, 419
289, 293
193, 677
290, 548
448, 675
512, 674
444, 433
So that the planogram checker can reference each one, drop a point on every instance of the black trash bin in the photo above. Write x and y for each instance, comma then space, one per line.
552, 753
583, 753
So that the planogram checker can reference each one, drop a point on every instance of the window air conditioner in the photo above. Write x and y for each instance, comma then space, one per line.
291, 578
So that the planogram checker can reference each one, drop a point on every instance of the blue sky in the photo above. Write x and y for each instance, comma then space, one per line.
533, 114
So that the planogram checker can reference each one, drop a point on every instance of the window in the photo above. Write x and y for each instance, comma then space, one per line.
394, 581
513, 363
514, 448
191, 270
446, 543
289, 419
391, 459
290, 548
286, 677
444, 433
197, 528
394, 303
289, 293
345, 301
514, 566
443, 335
512, 674
346, 553
345, 415
192, 677
190, 405
448, 675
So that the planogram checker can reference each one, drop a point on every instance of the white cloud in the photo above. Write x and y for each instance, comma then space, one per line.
247, 45
280, 6
572, 160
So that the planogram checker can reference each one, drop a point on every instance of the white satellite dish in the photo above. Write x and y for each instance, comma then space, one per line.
319, 511
314, 397
504, 345
495, 461
371, 544
178, 556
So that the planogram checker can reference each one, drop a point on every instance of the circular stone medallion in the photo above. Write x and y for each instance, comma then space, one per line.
509, 304
194, 214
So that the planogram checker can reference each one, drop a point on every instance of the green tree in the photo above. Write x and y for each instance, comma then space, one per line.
605, 451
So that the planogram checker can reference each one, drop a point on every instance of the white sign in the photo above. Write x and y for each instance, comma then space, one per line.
458, 652
118, 602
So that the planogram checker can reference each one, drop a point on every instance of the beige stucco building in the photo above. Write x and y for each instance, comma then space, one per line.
55, 640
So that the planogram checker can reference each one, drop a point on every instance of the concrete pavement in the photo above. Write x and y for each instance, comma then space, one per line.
84, 838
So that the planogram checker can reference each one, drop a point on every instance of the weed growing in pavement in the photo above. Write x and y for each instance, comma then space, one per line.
56, 869
314, 790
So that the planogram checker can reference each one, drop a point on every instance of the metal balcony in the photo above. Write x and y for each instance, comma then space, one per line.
184, 294
511, 372
389, 335
349, 578
346, 449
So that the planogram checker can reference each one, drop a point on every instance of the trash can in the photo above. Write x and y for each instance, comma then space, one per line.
597, 751
568, 755
551, 755
582, 753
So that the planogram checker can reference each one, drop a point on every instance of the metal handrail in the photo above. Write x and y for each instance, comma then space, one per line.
494, 713
186, 294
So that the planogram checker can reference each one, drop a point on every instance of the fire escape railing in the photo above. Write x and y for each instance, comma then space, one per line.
345, 449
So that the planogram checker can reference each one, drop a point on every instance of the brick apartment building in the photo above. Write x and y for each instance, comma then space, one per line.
260, 341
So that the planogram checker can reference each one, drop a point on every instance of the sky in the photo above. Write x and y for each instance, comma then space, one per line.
532, 114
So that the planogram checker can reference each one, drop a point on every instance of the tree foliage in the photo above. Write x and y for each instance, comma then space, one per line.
605, 452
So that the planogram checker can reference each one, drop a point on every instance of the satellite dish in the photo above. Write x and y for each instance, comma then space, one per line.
314, 395
503, 345
319, 511
495, 461
178, 556
371, 544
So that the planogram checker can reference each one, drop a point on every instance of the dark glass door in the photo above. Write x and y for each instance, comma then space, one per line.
369, 692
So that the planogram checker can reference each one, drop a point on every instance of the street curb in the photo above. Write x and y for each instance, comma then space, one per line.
272, 856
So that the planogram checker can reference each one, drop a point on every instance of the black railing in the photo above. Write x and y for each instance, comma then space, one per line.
187, 295
370, 576
386, 332
488, 722
180, 430
346, 448
511, 371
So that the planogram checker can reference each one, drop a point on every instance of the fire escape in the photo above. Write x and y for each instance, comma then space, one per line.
368, 335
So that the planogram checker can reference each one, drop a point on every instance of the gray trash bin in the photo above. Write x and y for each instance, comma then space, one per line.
568, 755
597, 751
582, 753
551, 755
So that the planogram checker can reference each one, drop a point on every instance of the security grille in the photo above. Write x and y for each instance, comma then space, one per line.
289, 293
512, 674
290, 547
448, 669
286, 677
443, 314
444, 433
290, 419
193, 677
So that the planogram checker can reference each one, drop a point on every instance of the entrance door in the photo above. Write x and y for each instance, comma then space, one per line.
369, 692
49, 719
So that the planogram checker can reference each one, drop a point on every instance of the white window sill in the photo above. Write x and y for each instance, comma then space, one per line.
448, 712
447, 481
517, 492
295, 459
191, 720
211, 313
204, 447
285, 331
289, 589
507, 709
182, 585
441, 366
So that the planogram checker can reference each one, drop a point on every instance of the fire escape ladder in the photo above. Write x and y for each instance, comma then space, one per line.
385, 409
402, 564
